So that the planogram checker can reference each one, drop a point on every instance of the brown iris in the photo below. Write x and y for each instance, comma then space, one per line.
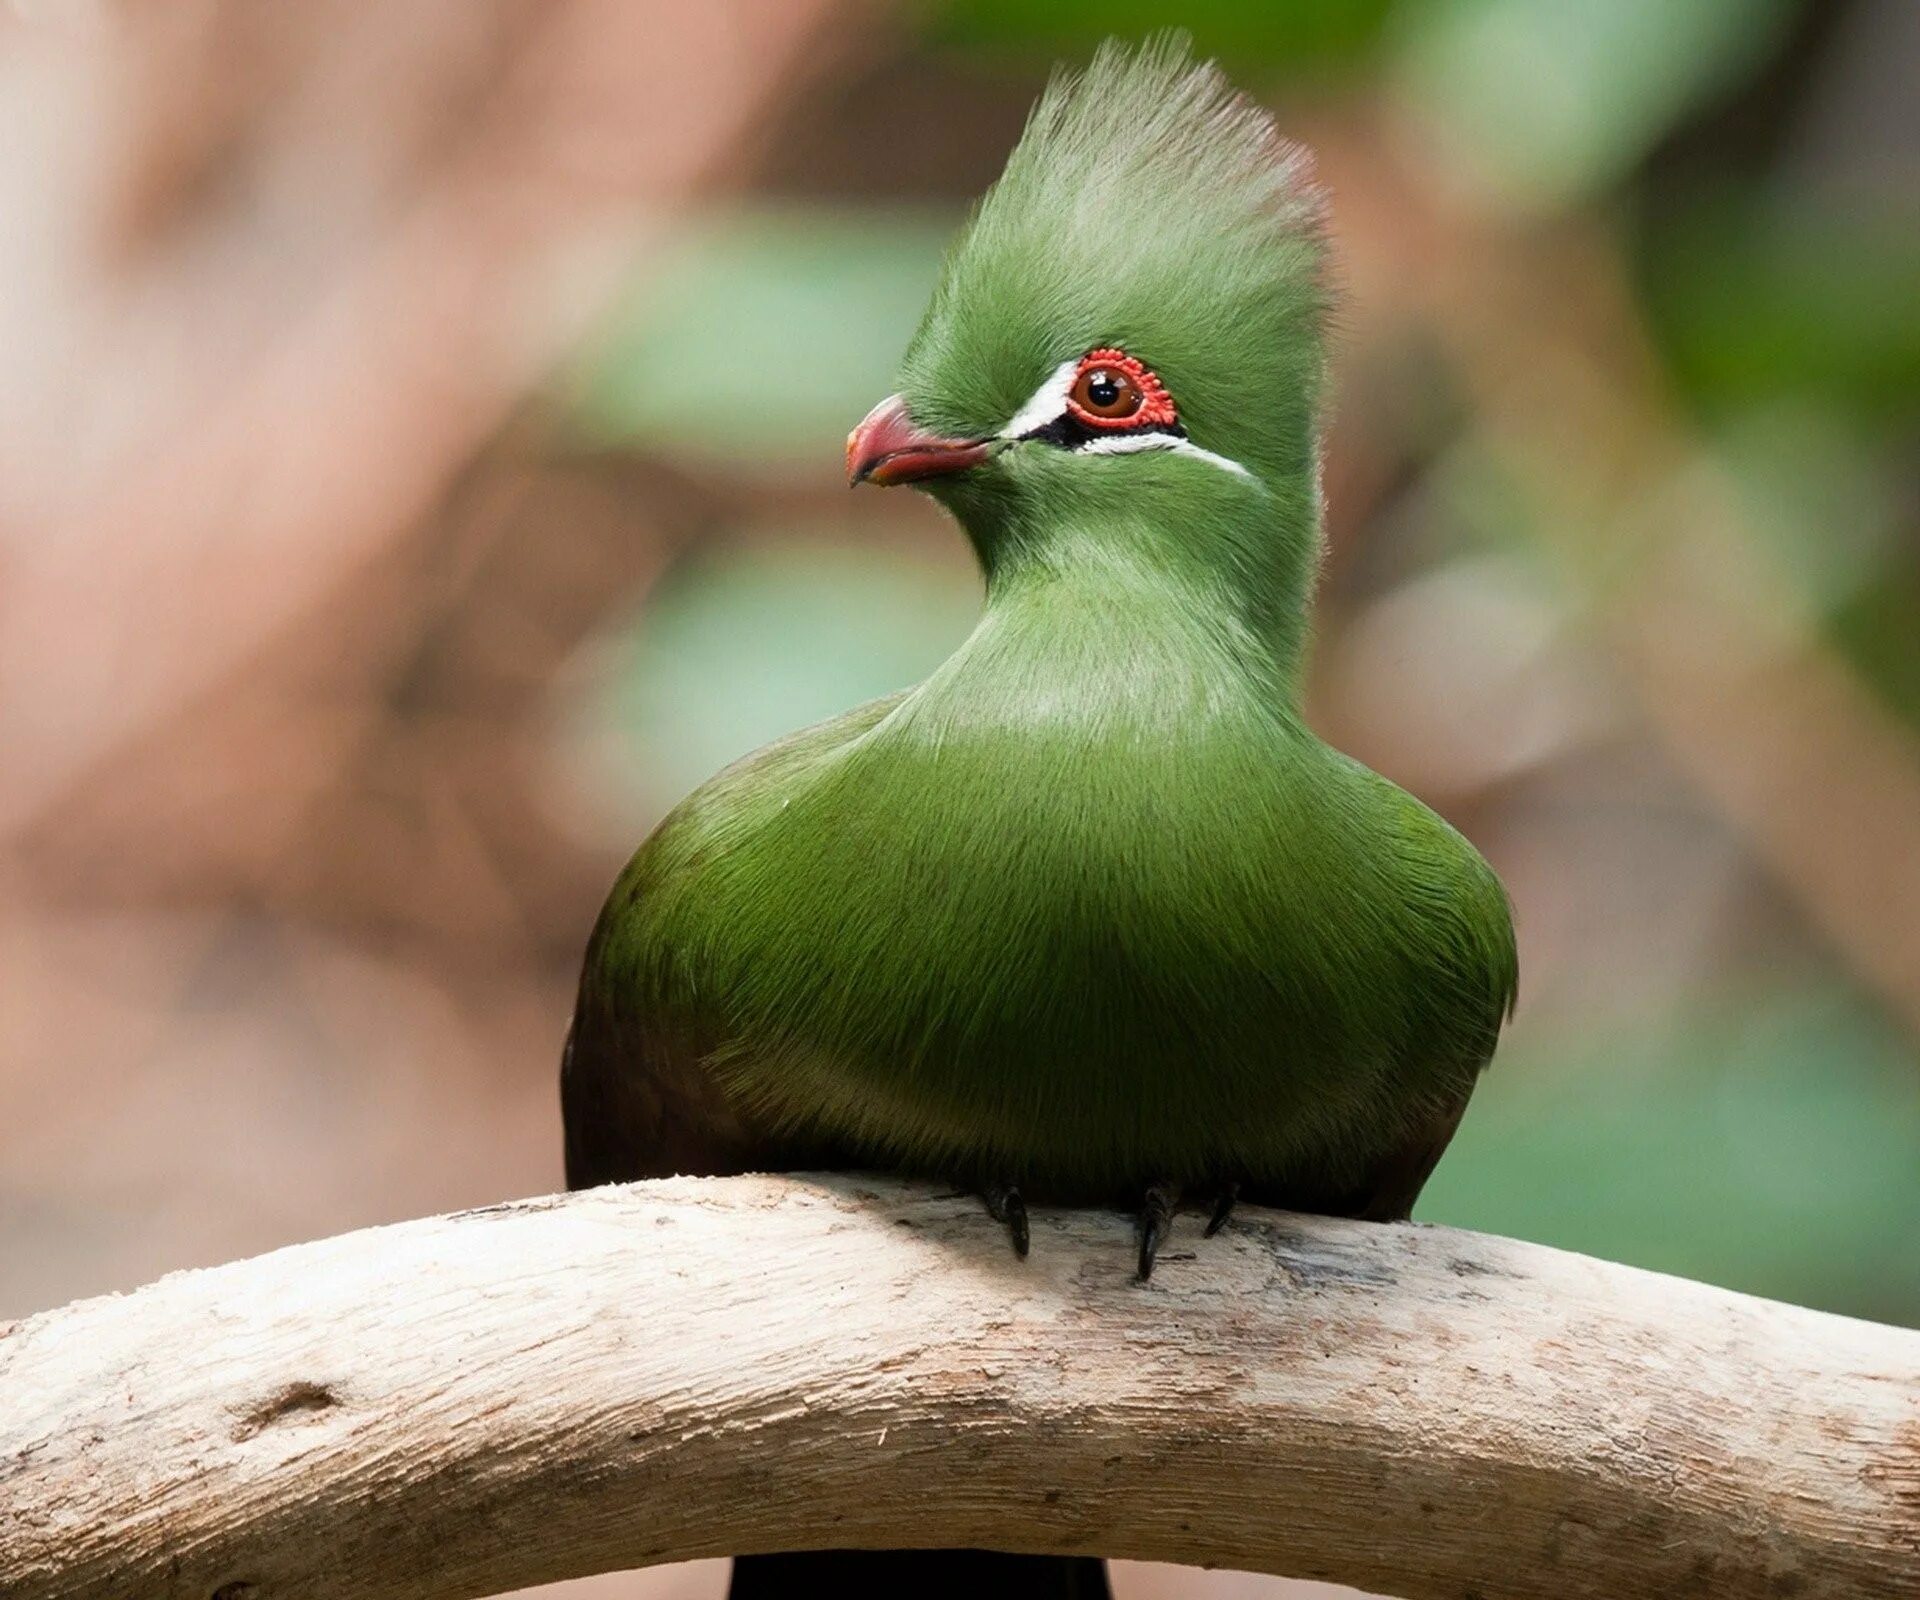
1106, 392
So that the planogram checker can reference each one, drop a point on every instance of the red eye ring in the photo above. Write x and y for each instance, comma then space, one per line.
1156, 408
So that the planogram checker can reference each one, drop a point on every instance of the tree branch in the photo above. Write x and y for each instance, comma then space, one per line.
465, 1404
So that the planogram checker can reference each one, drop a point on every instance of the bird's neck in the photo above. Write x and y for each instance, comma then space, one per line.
1207, 592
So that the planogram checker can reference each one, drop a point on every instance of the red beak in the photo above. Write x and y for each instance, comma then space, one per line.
889, 448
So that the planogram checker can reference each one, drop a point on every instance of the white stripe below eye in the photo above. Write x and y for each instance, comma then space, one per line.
1122, 444
1049, 404
1049, 401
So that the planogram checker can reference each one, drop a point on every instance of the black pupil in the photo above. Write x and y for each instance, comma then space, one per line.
1103, 389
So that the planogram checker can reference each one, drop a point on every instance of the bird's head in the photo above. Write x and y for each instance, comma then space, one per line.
1129, 328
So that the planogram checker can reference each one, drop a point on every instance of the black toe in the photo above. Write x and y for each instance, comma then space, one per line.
1156, 1221
1222, 1208
1004, 1204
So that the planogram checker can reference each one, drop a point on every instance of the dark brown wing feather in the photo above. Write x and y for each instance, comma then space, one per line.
637, 1101
634, 1103
1389, 1189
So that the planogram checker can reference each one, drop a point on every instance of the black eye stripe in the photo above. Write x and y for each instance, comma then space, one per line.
1070, 433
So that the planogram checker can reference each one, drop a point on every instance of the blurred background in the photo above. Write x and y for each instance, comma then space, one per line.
420, 438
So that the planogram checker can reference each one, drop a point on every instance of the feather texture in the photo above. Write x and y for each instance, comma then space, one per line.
1091, 907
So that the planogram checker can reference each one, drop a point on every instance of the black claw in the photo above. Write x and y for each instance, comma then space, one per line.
1222, 1209
1005, 1205
1156, 1221
1017, 1224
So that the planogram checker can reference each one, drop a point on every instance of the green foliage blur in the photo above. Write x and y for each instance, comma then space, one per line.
1745, 1109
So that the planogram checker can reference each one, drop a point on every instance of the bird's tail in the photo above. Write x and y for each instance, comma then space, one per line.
919, 1575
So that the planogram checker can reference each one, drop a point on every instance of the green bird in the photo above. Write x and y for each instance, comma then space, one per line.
1090, 916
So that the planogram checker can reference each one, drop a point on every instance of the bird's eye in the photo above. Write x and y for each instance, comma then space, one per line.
1107, 392
1114, 390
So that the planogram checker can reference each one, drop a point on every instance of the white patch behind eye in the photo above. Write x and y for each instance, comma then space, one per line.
1048, 402
1122, 444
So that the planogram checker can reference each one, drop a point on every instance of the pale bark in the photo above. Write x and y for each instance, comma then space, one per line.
467, 1404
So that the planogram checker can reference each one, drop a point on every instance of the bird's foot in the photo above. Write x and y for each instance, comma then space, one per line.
1155, 1222
1004, 1205
1157, 1211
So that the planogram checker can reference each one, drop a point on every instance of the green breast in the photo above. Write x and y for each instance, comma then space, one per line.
997, 922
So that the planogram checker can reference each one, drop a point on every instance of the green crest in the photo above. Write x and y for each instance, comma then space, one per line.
1148, 206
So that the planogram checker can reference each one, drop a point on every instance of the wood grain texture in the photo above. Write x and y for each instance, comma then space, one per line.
466, 1404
